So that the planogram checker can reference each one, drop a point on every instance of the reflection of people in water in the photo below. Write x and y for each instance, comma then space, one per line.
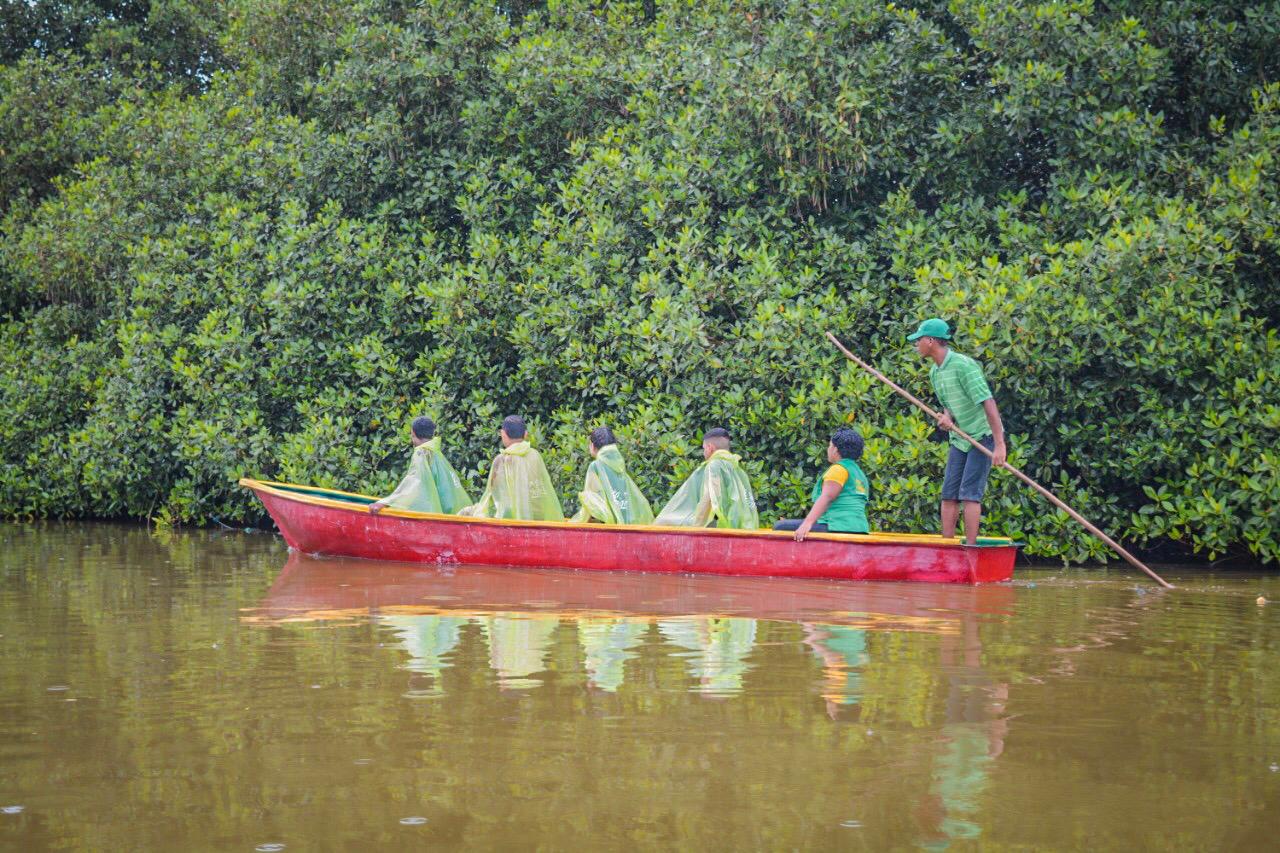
427, 639
721, 644
518, 647
843, 652
607, 645
973, 737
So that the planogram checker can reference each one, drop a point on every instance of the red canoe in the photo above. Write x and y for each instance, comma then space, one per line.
323, 521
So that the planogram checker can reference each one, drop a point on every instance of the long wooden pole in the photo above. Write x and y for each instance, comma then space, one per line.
1050, 496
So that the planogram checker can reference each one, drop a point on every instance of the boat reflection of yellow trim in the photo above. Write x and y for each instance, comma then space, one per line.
709, 622
311, 589
865, 621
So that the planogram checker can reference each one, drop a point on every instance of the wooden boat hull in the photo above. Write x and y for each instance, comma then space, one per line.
318, 521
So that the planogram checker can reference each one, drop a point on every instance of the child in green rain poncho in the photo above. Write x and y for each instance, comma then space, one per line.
609, 495
519, 485
718, 494
430, 484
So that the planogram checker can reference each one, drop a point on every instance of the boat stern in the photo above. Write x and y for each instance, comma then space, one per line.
991, 562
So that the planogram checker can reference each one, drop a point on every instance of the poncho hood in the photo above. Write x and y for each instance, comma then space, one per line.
520, 448
610, 455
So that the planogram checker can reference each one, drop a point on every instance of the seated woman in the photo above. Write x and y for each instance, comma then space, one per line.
840, 497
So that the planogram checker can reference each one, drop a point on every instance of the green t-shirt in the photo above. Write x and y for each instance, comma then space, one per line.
848, 512
962, 389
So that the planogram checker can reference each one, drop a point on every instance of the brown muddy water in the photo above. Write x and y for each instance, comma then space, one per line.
210, 691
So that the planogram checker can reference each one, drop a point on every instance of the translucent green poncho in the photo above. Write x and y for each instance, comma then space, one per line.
721, 645
609, 495
717, 494
430, 484
519, 487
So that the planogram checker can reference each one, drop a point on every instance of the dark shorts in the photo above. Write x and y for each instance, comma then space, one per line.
794, 524
966, 476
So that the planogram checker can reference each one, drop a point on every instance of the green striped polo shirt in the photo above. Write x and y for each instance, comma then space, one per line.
962, 389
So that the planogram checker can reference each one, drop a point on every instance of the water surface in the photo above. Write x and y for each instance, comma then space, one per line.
211, 691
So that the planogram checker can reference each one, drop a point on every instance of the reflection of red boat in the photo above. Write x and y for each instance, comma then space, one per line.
320, 521
336, 588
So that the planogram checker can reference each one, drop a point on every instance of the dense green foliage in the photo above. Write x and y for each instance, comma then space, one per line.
255, 238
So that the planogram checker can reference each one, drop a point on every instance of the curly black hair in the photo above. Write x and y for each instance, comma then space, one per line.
602, 437
848, 443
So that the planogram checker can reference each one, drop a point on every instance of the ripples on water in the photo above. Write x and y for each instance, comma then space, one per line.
210, 691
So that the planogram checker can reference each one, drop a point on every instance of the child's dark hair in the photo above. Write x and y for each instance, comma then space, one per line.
848, 443
602, 437
514, 426
716, 435
424, 427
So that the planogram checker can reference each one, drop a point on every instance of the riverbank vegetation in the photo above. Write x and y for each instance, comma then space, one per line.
257, 237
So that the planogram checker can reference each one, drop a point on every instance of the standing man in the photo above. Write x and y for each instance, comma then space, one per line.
967, 404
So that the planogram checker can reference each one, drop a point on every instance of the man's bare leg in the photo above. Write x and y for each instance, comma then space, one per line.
950, 514
972, 515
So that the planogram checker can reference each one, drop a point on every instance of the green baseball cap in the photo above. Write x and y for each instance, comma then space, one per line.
932, 328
